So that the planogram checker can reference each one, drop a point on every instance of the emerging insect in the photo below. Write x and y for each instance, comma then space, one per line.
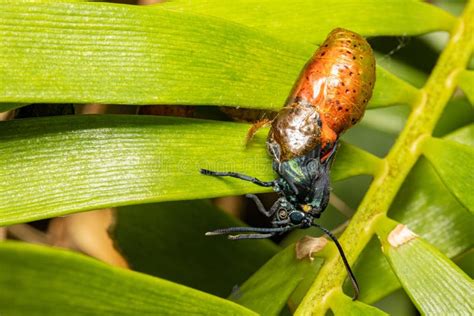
329, 97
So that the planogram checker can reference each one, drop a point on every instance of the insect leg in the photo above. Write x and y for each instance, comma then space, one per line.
283, 222
229, 230
238, 176
250, 236
355, 285
255, 127
329, 157
260, 207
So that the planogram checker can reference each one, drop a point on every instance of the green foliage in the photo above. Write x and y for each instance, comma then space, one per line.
446, 156
126, 54
428, 277
63, 162
267, 291
86, 286
244, 53
286, 19
162, 239
426, 206
345, 306
466, 82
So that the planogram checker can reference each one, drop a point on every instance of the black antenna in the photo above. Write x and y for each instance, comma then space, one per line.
256, 232
355, 285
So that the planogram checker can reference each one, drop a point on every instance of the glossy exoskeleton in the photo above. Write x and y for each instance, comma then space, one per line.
330, 97
303, 186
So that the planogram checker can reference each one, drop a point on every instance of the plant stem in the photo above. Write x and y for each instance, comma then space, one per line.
397, 164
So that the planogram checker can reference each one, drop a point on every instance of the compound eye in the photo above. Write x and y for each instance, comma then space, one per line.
282, 214
297, 217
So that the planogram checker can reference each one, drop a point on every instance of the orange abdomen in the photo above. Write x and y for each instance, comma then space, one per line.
338, 81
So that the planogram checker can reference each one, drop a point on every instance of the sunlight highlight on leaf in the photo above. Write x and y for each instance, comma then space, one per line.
311, 21
107, 53
66, 164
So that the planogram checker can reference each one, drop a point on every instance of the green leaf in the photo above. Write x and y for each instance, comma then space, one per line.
44, 281
61, 165
269, 289
352, 161
434, 283
463, 135
392, 91
311, 21
10, 106
135, 54
161, 239
404, 69
374, 274
341, 304
426, 207
454, 163
458, 113
466, 82
107, 53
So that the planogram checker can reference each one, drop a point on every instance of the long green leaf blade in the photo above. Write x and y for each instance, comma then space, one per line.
109, 53
37, 280
463, 135
354, 161
311, 21
466, 82
10, 106
170, 235
435, 284
422, 198
269, 289
343, 305
454, 163
391, 90
61, 165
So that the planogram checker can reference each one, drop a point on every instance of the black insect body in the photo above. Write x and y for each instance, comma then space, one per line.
303, 186
330, 97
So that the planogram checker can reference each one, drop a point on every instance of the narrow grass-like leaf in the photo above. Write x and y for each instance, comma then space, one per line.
400, 92
38, 280
344, 305
463, 135
354, 161
466, 82
458, 113
434, 283
311, 21
374, 274
61, 165
454, 163
268, 290
162, 239
10, 106
85, 52
427, 207
95, 52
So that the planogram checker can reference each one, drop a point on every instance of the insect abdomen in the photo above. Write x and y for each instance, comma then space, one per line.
338, 81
